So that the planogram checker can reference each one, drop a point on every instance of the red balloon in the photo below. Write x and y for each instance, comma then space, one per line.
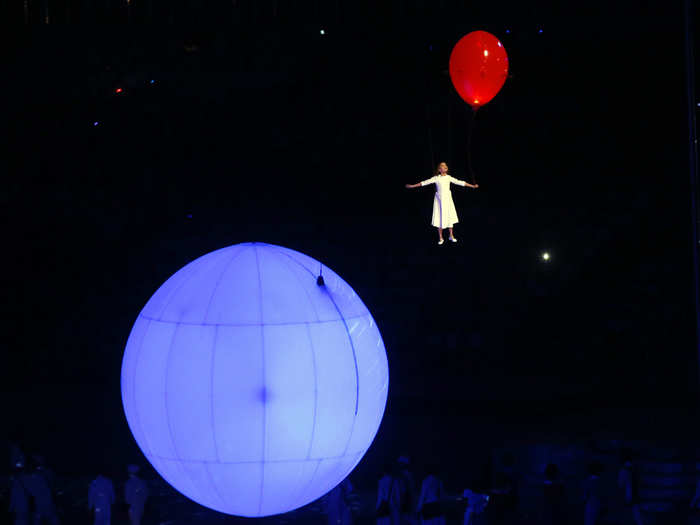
478, 67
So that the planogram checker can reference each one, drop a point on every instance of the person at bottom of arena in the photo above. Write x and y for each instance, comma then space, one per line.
135, 494
100, 499
388, 507
432, 494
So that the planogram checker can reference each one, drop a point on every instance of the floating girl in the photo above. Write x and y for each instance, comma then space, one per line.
444, 212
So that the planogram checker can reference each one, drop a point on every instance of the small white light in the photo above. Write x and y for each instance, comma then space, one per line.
486, 52
95, 123
323, 32
545, 256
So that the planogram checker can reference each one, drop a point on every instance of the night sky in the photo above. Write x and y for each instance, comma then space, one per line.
237, 125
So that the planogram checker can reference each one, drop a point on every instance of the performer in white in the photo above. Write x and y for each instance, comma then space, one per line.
444, 212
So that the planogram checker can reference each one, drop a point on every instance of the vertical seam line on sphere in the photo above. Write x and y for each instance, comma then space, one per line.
313, 363
218, 282
211, 392
297, 262
313, 358
213, 423
264, 408
214, 485
311, 479
318, 319
302, 490
144, 435
354, 355
357, 374
178, 461
182, 283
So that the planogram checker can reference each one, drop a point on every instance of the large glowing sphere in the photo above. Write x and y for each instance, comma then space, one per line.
249, 386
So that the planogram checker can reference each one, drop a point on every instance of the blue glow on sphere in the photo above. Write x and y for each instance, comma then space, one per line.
249, 387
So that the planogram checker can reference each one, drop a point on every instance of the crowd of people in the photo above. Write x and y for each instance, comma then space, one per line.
32, 487
400, 498
402, 501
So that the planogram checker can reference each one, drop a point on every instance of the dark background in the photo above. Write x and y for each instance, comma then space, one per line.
259, 128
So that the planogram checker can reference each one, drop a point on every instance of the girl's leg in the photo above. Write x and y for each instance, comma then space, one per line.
440, 233
452, 235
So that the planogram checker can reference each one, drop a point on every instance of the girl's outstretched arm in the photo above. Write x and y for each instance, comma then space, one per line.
422, 183
463, 183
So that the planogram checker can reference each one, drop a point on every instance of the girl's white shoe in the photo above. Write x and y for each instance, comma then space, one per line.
453, 239
441, 241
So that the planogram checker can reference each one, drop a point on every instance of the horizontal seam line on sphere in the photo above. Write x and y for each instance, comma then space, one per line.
208, 462
252, 324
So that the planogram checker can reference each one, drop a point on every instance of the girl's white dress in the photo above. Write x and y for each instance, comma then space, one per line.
444, 212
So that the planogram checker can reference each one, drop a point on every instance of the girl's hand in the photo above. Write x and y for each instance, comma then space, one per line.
475, 185
409, 186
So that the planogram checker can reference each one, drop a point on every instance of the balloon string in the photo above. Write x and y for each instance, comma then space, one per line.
449, 131
470, 132
430, 137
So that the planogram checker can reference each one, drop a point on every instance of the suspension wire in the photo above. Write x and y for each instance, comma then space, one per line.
428, 113
693, 162
449, 127
471, 119
430, 136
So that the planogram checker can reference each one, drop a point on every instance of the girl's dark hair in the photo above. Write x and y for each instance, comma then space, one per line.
437, 168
